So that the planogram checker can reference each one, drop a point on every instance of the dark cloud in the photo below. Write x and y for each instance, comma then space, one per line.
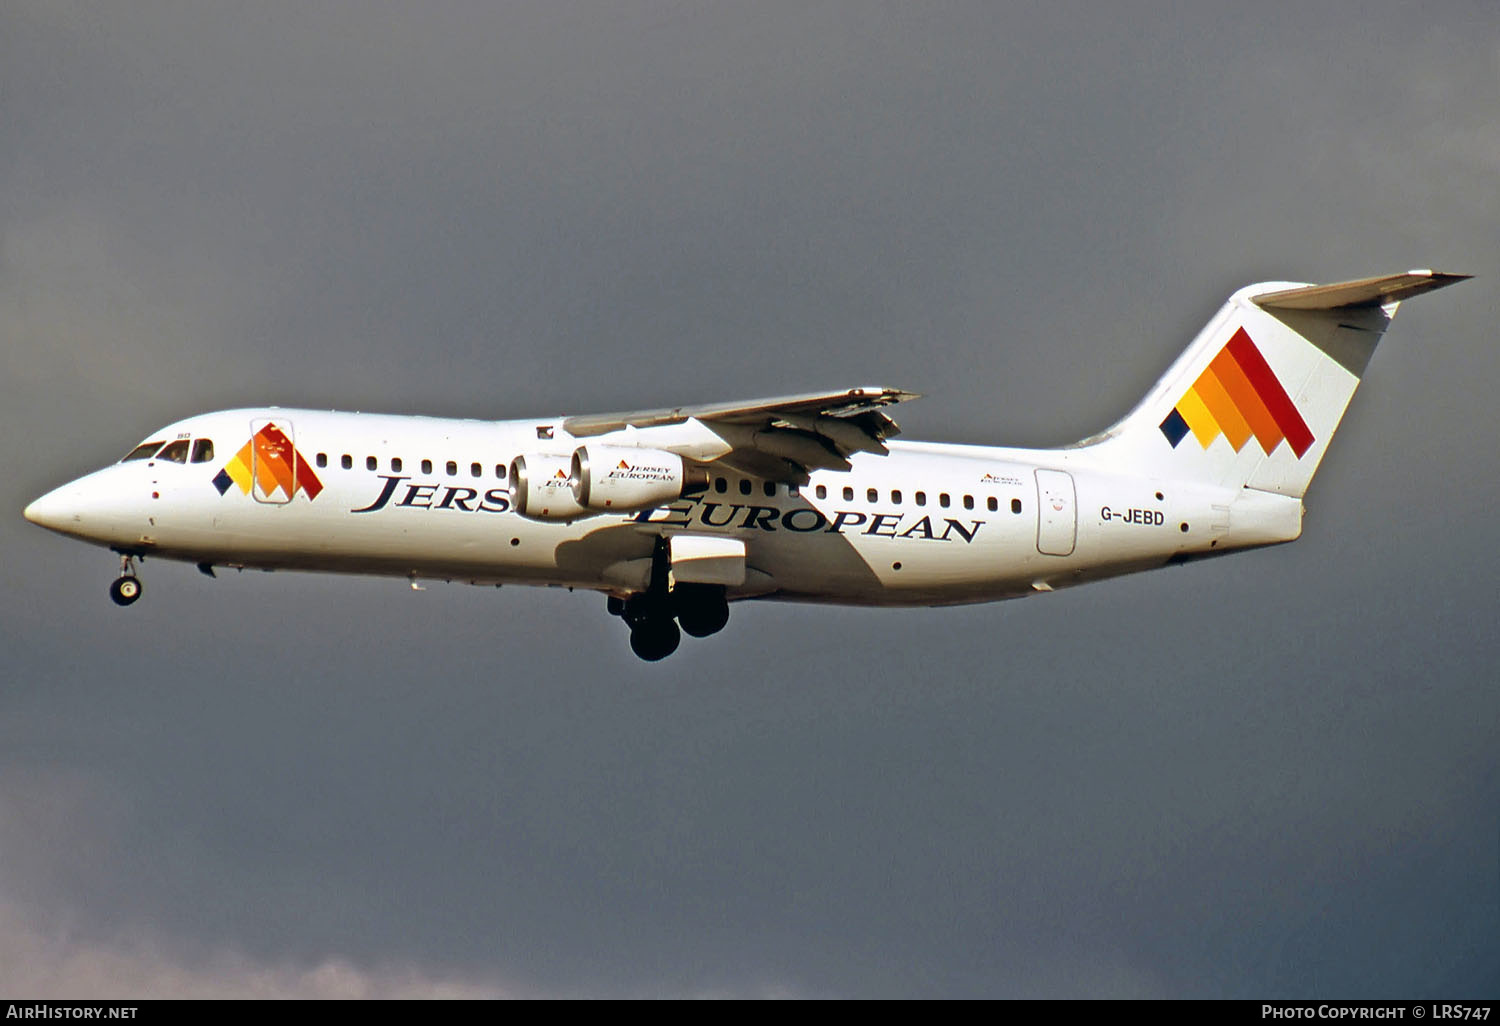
1270, 774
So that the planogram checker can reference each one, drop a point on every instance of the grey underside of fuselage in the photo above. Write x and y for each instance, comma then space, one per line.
494, 574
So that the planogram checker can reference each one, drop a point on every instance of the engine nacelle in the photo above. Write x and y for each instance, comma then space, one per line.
541, 489
616, 479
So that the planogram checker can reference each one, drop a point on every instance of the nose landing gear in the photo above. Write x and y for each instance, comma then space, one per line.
126, 588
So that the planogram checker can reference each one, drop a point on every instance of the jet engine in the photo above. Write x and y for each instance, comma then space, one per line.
541, 490
616, 479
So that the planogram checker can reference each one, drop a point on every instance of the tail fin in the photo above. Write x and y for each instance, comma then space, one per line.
1255, 400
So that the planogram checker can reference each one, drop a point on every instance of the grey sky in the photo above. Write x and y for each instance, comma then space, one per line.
1274, 774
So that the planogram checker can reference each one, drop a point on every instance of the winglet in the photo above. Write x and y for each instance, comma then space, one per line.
1364, 292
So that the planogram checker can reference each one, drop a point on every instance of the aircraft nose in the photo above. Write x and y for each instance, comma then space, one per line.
96, 507
55, 510
79, 508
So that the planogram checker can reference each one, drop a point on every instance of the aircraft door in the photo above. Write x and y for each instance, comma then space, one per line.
273, 460
1057, 513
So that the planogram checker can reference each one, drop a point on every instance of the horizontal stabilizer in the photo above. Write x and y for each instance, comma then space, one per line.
1364, 292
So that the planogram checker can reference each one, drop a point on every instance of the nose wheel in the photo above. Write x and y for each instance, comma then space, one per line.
126, 588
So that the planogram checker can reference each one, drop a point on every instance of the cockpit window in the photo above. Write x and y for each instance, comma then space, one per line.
143, 452
176, 451
203, 450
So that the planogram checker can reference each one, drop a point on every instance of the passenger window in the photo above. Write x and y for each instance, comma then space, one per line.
426, 466
322, 460
793, 490
452, 468
968, 502
176, 451
770, 488
371, 463
896, 496
346, 461
943, 500
395, 464
921, 498
745, 487
475, 470
142, 452
871, 495
721, 486
500, 471
822, 491
203, 450
848, 494
1015, 505
993, 503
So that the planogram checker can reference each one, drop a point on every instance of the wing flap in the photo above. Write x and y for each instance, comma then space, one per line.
782, 438
849, 403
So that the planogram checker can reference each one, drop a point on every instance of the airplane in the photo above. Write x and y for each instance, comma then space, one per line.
675, 513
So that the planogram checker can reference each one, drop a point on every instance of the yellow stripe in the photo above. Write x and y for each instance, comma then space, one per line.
1205, 428
1211, 390
238, 470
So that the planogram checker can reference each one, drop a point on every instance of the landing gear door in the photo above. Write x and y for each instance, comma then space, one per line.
707, 559
1057, 516
273, 460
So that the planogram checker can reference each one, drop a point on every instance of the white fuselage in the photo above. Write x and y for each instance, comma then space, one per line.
422, 497
676, 512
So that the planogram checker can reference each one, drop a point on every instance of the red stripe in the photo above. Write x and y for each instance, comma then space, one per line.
306, 479
1271, 393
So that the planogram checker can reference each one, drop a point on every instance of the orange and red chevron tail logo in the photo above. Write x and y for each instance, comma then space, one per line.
1238, 396
271, 463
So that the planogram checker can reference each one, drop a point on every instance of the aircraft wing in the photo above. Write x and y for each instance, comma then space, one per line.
781, 438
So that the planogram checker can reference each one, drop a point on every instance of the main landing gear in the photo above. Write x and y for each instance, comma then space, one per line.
654, 637
655, 614
126, 588
701, 609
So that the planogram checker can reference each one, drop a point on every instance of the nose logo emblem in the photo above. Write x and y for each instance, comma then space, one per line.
272, 462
